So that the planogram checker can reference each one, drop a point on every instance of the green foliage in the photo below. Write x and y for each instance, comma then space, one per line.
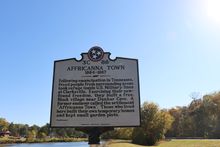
118, 133
41, 135
31, 135
139, 136
13, 128
3, 124
110, 134
23, 130
200, 119
154, 124
125, 133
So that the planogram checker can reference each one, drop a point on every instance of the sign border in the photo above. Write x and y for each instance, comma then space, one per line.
138, 80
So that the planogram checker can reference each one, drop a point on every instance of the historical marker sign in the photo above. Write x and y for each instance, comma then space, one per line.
95, 91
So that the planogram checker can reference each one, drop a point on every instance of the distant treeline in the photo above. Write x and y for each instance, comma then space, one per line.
31, 132
201, 118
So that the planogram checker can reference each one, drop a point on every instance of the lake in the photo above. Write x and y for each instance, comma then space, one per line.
68, 144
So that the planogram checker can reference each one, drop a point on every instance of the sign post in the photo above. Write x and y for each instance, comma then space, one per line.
95, 92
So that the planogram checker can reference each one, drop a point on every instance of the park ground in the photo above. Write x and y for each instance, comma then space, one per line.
171, 143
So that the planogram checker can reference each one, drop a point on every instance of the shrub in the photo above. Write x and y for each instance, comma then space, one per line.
154, 124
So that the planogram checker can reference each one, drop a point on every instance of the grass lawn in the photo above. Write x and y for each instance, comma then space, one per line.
173, 143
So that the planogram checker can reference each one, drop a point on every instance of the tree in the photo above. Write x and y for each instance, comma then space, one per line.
3, 124
34, 127
113, 134
200, 119
31, 135
124, 133
154, 124
41, 135
61, 132
215, 111
13, 128
43, 131
23, 130
175, 129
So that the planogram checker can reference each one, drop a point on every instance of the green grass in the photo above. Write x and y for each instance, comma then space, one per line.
173, 143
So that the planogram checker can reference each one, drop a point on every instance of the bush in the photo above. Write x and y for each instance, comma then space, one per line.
138, 136
118, 133
154, 124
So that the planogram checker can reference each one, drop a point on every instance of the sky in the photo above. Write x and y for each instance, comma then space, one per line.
175, 41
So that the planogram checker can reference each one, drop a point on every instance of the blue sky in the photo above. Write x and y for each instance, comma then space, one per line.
175, 41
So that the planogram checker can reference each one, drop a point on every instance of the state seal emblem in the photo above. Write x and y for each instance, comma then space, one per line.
95, 54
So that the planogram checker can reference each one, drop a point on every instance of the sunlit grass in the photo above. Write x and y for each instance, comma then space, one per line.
174, 143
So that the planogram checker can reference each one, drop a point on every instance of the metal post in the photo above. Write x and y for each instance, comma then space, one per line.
94, 136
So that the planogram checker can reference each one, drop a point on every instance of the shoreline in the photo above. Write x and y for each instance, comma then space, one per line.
37, 140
